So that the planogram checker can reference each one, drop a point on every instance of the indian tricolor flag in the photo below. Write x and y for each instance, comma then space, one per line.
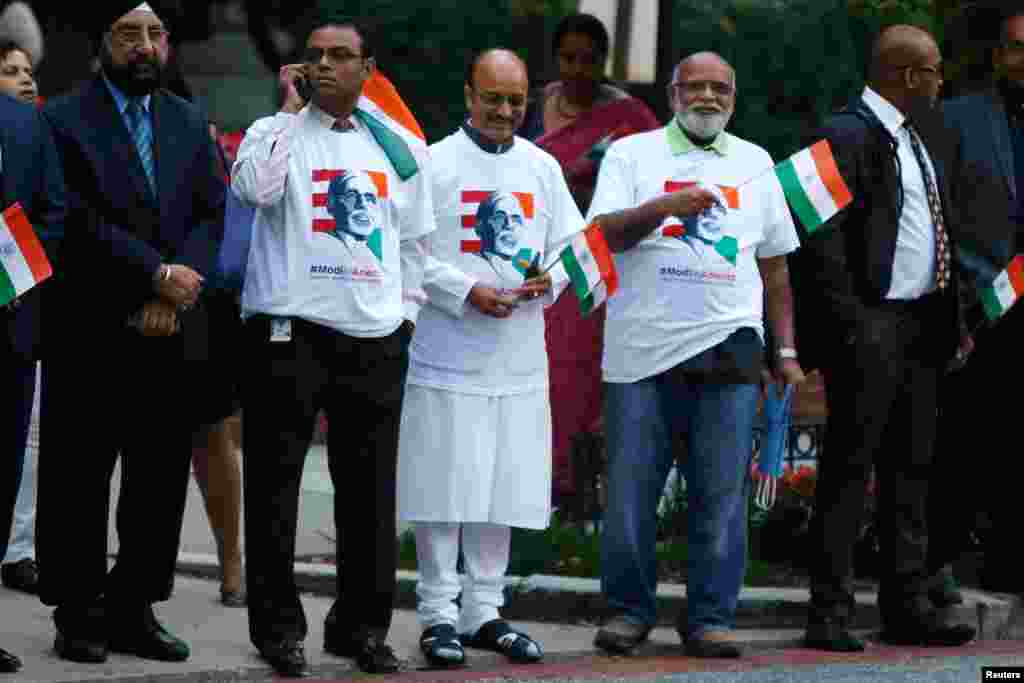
588, 261
813, 186
383, 111
1004, 290
384, 100
24, 262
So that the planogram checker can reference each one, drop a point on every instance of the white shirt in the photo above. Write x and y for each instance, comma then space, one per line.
913, 268
328, 265
681, 295
455, 346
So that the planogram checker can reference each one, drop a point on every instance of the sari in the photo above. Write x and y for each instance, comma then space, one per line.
575, 343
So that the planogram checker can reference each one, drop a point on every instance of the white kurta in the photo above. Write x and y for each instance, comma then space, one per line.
475, 440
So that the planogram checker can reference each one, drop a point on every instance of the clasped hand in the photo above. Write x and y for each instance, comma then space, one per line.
181, 288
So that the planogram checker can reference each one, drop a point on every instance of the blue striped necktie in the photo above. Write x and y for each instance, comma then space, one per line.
143, 137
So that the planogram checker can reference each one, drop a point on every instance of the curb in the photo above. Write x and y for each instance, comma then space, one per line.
571, 600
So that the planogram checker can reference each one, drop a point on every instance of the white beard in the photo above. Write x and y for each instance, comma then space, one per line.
703, 126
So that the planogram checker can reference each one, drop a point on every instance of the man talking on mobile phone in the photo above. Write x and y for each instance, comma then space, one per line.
328, 319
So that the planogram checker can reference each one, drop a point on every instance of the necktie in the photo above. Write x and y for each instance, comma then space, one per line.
935, 206
143, 137
342, 126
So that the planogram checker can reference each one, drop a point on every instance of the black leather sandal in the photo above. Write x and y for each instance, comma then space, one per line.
498, 636
441, 646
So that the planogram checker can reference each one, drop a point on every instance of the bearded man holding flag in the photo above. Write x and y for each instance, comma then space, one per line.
683, 348
331, 294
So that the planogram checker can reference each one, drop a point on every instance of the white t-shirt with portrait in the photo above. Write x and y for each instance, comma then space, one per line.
328, 251
496, 215
687, 286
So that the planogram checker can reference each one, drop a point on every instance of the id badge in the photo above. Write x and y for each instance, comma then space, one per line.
280, 330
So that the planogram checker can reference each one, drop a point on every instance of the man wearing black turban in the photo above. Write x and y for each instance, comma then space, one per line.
125, 340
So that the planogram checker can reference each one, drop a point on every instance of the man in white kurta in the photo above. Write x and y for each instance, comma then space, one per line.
475, 435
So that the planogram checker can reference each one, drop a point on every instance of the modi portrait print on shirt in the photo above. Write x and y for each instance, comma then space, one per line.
354, 200
707, 233
499, 222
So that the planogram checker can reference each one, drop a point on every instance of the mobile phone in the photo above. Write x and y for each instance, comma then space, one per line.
304, 89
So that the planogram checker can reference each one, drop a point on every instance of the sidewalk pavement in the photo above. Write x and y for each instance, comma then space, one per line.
221, 652
560, 613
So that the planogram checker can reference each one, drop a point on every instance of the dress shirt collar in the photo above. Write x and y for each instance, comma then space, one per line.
327, 121
122, 100
485, 143
891, 117
680, 143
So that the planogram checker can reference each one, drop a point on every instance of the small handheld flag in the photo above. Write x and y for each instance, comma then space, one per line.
591, 269
813, 185
1004, 290
24, 263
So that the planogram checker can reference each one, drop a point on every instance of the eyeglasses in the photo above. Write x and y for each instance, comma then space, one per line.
718, 88
335, 55
135, 36
937, 70
495, 100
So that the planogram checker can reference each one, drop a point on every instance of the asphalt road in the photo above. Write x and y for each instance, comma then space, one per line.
879, 663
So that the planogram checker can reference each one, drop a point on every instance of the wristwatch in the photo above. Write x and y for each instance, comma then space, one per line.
787, 352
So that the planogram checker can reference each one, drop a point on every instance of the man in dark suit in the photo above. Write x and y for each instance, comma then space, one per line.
31, 175
124, 347
879, 316
989, 126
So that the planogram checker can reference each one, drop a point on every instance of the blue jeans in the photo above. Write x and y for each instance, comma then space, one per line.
641, 420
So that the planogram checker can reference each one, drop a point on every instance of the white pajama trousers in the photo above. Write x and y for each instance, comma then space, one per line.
485, 552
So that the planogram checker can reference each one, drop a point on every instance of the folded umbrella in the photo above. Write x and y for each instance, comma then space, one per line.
775, 423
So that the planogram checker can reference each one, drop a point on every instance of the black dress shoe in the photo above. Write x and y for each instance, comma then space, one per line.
715, 644
945, 592
8, 662
22, 575
927, 633
830, 634
371, 653
146, 637
286, 656
76, 648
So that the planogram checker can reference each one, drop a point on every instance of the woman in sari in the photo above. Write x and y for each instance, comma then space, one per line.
575, 119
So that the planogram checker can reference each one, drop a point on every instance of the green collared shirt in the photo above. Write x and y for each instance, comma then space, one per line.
680, 143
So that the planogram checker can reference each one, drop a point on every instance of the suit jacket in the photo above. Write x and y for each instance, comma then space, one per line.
118, 233
31, 174
987, 193
845, 268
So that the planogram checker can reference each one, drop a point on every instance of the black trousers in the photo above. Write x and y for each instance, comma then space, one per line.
979, 461
360, 384
15, 413
881, 385
118, 393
